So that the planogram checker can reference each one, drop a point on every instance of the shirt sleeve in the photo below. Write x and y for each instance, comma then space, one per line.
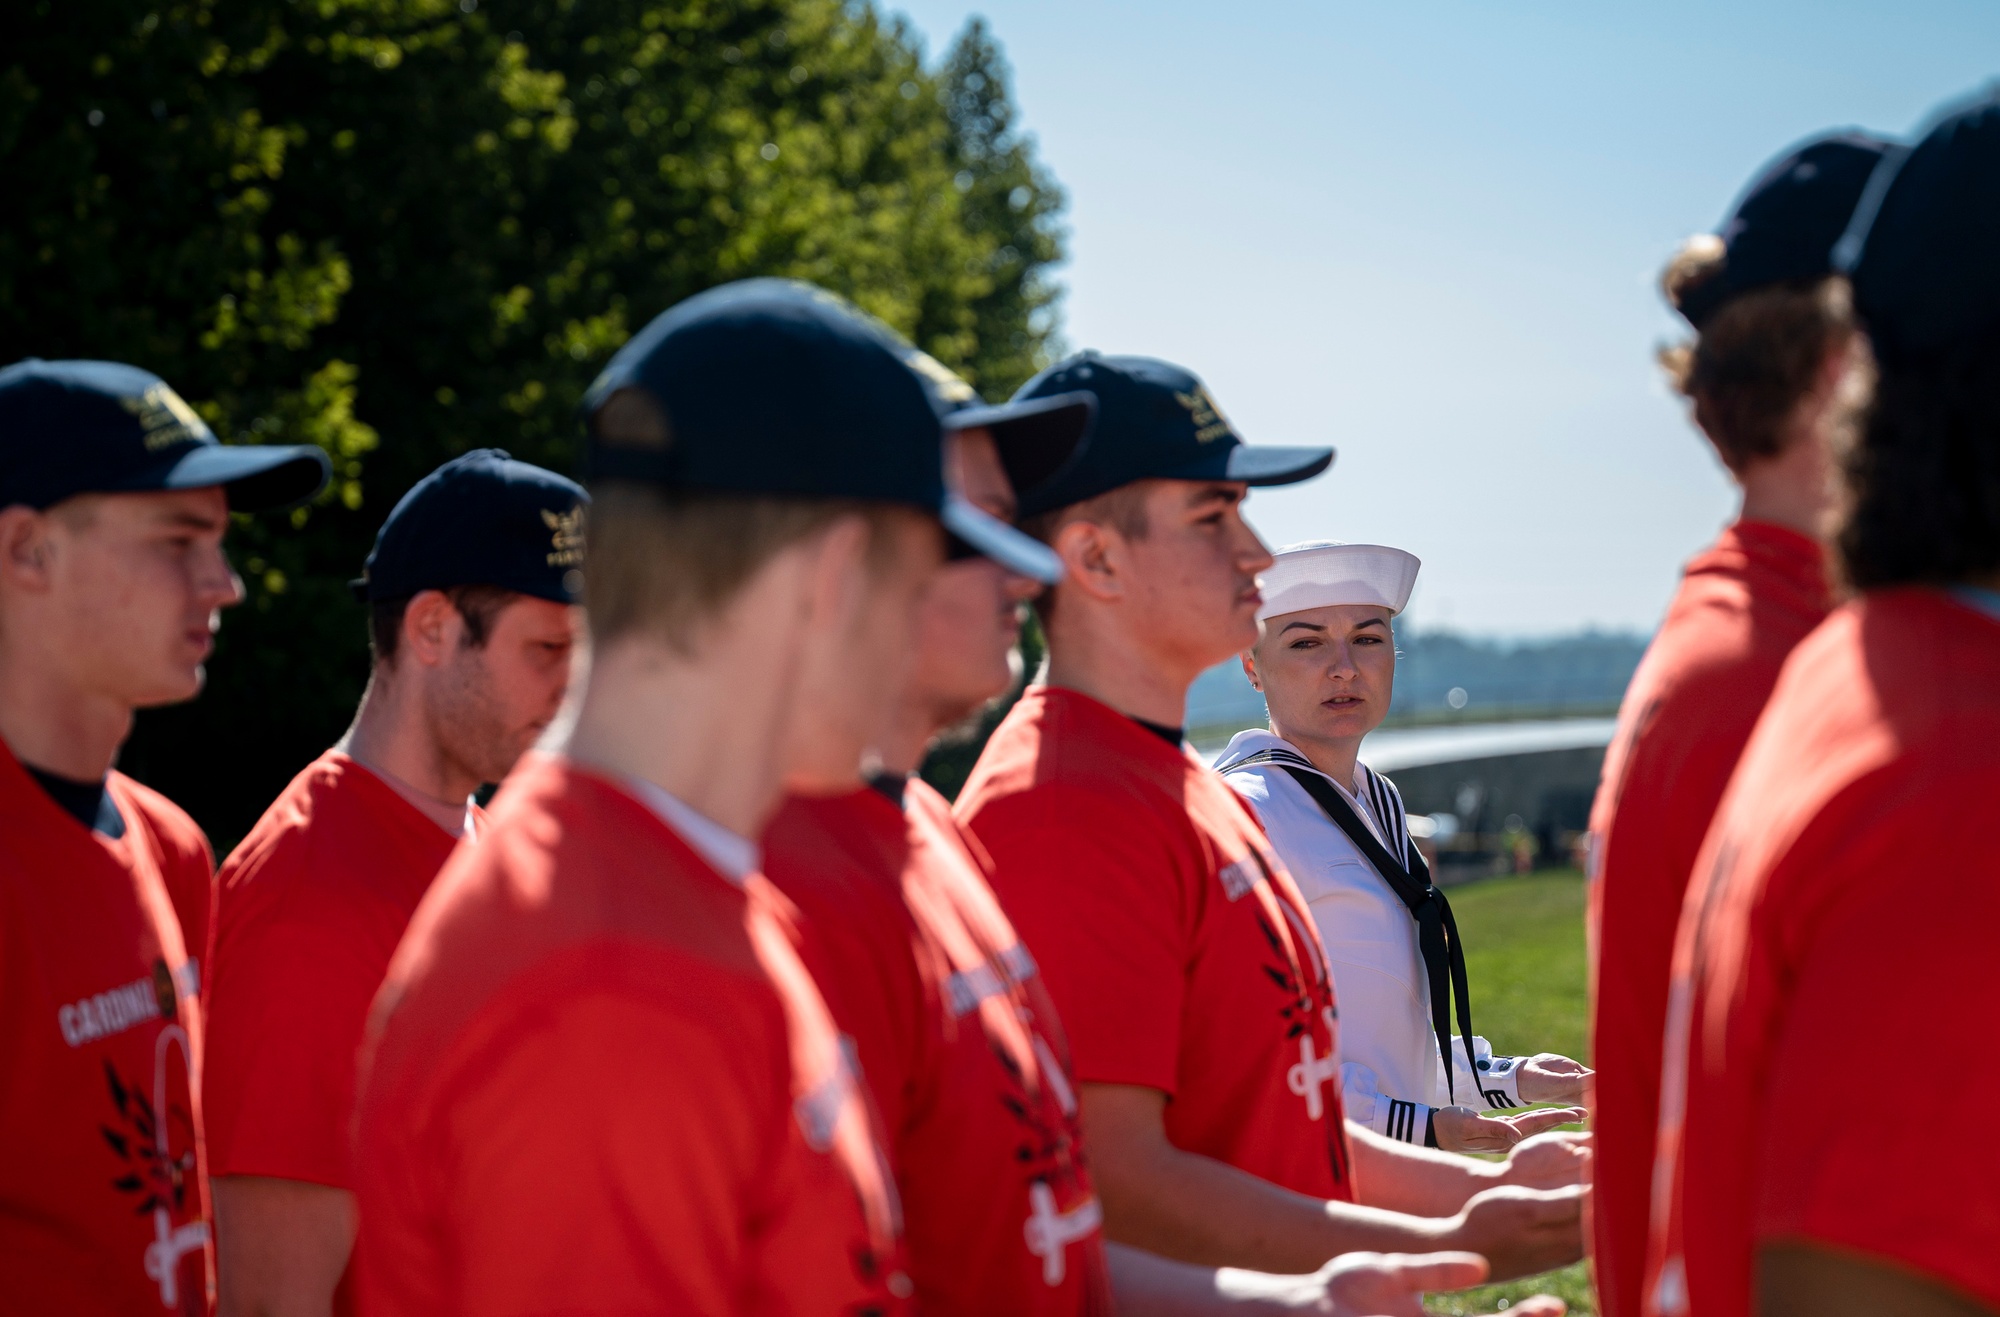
862, 961
187, 870
1099, 891
285, 1019
1496, 1087
1368, 1106
1892, 965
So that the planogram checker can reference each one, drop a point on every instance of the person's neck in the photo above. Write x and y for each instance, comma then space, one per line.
391, 735
1793, 489
50, 724
916, 724
1114, 670
709, 730
1334, 758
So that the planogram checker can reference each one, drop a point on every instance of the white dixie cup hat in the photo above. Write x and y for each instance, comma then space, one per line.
1319, 573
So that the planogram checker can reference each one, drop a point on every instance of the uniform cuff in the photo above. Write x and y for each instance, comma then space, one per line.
1500, 1082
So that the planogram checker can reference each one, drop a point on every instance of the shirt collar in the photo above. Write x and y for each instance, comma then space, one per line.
732, 855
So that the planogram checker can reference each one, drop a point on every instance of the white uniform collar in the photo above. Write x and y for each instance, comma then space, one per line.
1262, 740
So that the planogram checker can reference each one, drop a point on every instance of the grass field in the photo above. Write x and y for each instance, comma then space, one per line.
1524, 957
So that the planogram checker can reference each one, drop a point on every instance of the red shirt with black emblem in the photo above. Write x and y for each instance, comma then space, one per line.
959, 1044
598, 1078
1742, 606
1171, 937
1843, 907
103, 1202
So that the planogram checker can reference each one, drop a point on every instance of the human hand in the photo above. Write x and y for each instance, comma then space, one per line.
1520, 1231
1553, 1160
1393, 1285
1461, 1129
1546, 1077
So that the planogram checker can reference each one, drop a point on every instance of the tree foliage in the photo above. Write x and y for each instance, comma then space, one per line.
401, 229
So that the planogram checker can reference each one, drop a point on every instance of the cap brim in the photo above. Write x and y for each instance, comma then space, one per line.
995, 539
1275, 466
256, 479
1038, 438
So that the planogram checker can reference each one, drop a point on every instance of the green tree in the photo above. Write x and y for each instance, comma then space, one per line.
1015, 204
401, 229
1012, 202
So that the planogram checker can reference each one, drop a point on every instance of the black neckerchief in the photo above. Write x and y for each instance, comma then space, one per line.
86, 802
1437, 932
1173, 736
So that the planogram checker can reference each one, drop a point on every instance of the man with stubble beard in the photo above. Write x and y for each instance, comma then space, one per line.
471, 592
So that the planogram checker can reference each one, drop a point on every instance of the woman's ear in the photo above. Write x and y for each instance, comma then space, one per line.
1249, 657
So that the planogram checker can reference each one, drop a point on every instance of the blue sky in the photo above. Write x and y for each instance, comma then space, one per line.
1427, 234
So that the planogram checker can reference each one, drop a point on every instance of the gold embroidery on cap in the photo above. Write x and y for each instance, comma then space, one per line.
165, 419
1209, 421
566, 536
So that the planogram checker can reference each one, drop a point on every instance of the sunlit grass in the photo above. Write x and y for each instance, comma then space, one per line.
1524, 957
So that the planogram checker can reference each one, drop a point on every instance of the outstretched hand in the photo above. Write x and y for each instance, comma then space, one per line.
1393, 1284
1554, 1160
1546, 1077
1521, 1232
1461, 1129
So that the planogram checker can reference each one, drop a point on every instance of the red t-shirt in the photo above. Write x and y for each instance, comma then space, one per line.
309, 909
960, 1046
103, 1198
598, 1079
1172, 939
1742, 606
1842, 913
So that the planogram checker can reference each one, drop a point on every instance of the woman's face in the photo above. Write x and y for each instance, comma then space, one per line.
1327, 673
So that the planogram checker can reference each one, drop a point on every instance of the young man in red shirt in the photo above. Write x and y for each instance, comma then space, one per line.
955, 1035
1775, 344
1846, 895
472, 590
114, 498
598, 1076
1196, 994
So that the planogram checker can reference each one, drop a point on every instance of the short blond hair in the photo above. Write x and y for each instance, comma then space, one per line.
665, 562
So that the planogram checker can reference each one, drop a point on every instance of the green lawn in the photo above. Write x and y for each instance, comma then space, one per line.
1524, 956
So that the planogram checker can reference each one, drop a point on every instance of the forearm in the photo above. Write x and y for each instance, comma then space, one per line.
1419, 1181
1198, 1210
1147, 1285
280, 1246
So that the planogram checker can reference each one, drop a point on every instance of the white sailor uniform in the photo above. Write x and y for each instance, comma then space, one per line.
1392, 1078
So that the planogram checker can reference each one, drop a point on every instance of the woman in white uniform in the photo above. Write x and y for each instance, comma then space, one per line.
1326, 663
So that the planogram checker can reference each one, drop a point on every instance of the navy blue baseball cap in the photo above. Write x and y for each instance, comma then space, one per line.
1924, 248
481, 519
1784, 226
1155, 421
99, 427
773, 386
1037, 438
